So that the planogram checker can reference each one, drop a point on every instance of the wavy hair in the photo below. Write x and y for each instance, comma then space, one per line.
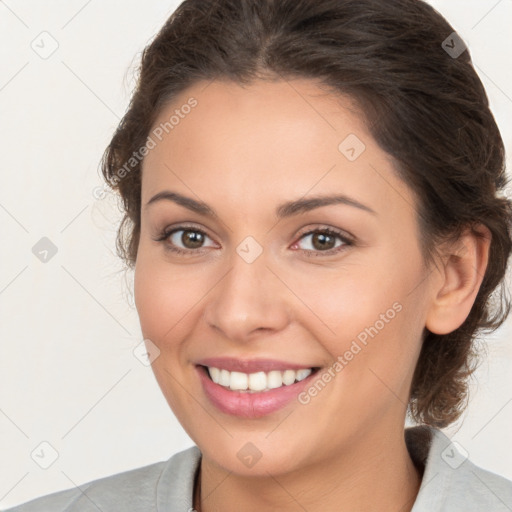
425, 106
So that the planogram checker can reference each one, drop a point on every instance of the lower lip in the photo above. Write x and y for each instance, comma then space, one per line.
250, 405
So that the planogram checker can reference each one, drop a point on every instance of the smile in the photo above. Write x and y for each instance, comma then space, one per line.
252, 388
256, 382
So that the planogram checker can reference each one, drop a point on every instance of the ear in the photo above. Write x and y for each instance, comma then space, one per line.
460, 275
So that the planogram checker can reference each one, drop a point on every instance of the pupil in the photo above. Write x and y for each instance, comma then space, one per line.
322, 241
192, 239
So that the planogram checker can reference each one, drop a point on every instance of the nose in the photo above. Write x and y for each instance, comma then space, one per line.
248, 300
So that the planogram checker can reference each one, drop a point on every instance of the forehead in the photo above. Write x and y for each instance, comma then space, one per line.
268, 141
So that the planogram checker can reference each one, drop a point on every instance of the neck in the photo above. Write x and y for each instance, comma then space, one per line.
375, 473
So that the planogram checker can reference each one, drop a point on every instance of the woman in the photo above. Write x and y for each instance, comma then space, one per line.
314, 213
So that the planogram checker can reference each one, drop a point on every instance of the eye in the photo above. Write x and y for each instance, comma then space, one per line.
188, 240
323, 242
184, 240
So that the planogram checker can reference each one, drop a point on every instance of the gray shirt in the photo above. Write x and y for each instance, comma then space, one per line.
450, 482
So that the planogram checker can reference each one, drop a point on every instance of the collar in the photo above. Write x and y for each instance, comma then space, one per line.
431, 450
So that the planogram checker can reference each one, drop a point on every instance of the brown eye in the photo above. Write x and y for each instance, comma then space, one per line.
185, 240
322, 240
192, 239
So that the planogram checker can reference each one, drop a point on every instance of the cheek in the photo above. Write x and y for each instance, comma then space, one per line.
164, 296
164, 303
371, 316
342, 303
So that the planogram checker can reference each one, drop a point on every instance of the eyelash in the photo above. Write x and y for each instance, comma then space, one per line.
347, 242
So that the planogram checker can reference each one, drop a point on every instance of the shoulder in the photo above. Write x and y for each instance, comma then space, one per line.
140, 489
450, 480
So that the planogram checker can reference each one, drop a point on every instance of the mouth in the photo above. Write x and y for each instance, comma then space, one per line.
253, 388
256, 382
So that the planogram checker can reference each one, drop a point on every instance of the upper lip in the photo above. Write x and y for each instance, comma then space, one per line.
250, 365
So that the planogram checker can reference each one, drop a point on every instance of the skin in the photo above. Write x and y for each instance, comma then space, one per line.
244, 151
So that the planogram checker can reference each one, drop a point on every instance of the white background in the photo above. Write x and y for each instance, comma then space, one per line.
68, 327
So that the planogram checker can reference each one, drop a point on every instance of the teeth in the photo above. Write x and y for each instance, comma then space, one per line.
274, 379
259, 381
238, 380
289, 377
215, 374
224, 378
302, 374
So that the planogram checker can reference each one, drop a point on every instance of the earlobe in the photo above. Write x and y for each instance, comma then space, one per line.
461, 275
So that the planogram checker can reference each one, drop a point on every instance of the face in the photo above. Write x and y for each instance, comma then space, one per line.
279, 273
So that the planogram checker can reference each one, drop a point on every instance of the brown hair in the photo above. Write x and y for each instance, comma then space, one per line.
425, 107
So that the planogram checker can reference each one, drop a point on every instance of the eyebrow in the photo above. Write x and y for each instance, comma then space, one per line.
287, 209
